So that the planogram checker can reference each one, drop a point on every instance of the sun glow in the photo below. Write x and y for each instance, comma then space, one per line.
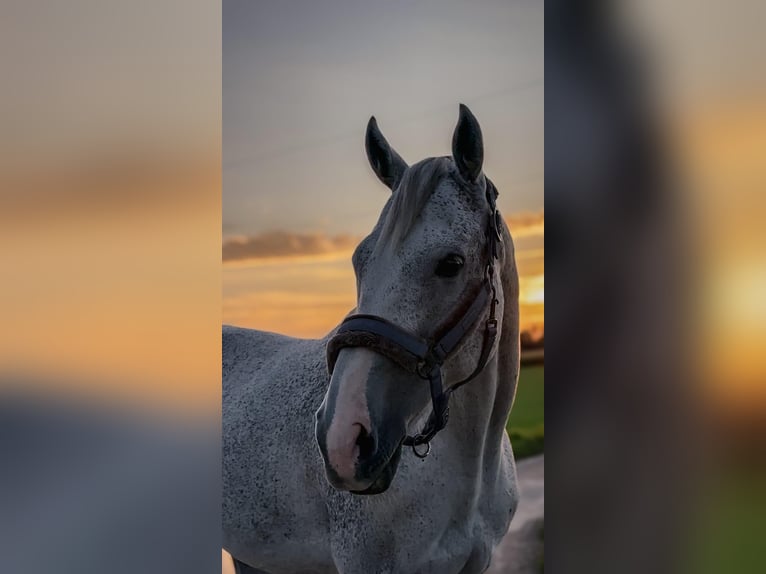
532, 290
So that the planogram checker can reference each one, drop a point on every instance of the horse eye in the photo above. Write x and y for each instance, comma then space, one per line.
449, 266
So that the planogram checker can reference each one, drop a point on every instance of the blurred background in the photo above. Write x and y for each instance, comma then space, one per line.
110, 302
110, 213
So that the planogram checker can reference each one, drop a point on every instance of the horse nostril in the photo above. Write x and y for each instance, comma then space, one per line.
365, 442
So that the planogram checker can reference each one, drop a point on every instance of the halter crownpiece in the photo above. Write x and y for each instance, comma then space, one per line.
425, 357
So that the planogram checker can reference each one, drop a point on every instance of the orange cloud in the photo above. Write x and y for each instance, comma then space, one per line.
284, 244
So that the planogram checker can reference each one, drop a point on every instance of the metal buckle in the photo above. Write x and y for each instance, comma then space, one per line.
421, 369
424, 454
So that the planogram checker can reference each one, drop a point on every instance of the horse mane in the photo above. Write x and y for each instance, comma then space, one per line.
410, 197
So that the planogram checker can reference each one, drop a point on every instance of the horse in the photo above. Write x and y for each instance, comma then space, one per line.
324, 468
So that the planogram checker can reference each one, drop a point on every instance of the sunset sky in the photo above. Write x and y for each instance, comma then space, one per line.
299, 84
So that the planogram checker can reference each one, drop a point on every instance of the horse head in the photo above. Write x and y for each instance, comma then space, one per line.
428, 299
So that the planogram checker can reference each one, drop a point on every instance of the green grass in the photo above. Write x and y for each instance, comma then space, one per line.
526, 425
727, 533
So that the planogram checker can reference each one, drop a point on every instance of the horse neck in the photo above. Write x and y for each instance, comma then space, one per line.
480, 409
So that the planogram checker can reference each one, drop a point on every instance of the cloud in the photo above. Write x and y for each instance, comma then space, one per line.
284, 244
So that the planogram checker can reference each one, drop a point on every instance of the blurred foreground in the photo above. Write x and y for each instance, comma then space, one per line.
90, 489
110, 301
655, 171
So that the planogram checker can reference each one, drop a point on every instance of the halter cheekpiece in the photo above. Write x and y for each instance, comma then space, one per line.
426, 356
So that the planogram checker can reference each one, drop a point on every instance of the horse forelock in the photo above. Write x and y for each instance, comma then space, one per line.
410, 197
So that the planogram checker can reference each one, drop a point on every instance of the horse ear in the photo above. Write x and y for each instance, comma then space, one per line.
468, 145
386, 163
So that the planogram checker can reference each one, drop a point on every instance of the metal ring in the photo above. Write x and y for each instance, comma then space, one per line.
423, 455
421, 369
497, 226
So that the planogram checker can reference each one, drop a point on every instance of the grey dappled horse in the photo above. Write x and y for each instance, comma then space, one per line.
320, 473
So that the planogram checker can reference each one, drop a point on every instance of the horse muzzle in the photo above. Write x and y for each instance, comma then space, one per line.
386, 468
357, 459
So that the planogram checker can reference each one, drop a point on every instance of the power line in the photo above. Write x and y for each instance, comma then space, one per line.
337, 138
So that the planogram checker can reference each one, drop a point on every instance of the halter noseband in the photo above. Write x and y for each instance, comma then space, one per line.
425, 357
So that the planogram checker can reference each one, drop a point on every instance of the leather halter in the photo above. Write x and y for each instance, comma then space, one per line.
426, 356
